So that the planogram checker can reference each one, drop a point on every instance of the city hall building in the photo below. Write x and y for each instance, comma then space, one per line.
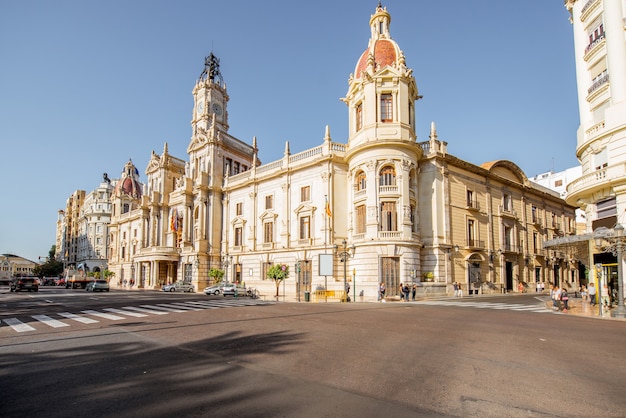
380, 205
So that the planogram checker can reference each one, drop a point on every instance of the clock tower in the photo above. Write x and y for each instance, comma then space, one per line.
210, 97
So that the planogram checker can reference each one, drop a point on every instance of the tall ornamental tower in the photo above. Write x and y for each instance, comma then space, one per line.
382, 153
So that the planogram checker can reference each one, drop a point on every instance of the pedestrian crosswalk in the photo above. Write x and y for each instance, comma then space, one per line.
487, 305
92, 316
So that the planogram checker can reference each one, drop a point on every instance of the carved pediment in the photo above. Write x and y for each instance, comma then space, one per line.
268, 215
304, 208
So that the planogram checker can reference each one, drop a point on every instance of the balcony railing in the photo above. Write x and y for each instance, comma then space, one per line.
597, 179
388, 189
389, 234
598, 83
475, 243
473, 205
507, 212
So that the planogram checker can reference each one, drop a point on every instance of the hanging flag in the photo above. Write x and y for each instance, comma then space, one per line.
328, 212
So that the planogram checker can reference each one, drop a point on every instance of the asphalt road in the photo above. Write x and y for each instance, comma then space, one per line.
502, 356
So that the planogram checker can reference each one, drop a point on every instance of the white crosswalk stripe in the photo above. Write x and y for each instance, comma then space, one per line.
118, 314
144, 310
77, 318
18, 325
127, 313
486, 305
164, 308
104, 315
54, 323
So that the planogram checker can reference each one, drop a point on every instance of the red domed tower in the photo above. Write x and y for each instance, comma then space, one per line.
382, 91
128, 189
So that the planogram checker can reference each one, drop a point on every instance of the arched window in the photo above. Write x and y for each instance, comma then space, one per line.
388, 176
361, 181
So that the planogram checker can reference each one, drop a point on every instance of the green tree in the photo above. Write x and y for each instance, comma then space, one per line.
278, 273
216, 275
51, 268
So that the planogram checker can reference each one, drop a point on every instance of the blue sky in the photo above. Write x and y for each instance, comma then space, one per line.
86, 85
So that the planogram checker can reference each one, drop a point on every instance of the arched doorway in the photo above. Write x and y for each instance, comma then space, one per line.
474, 278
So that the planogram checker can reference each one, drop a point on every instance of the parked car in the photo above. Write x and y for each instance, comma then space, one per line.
215, 289
179, 287
227, 289
97, 285
232, 290
24, 283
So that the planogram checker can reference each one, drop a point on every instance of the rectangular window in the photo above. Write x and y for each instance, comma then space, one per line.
606, 208
359, 116
305, 227
228, 166
269, 202
268, 232
264, 268
360, 219
507, 202
239, 209
305, 194
471, 236
238, 236
388, 216
386, 108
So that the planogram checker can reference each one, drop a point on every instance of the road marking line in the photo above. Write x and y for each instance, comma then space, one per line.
49, 321
103, 315
158, 307
148, 311
18, 325
183, 305
77, 318
127, 313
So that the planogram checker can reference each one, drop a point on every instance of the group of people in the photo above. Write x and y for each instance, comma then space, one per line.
591, 292
560, 298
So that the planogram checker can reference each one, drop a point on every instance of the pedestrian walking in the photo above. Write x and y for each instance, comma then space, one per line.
583, 292
401, 293
455, 286
538, 287
381, 290
413, 291
592, 294
406, 292
564, 299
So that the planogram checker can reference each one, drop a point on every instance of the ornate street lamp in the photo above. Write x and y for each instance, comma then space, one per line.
617, 243
344, 254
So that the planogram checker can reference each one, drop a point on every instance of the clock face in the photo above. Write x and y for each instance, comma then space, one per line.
217, 109
200, 107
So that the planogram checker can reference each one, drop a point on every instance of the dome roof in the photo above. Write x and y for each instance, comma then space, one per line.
129, 183
382, 51
385, 52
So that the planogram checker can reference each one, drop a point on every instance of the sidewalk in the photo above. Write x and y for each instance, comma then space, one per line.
580, 307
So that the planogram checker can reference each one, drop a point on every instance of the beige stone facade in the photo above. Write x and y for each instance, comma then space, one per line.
408, 211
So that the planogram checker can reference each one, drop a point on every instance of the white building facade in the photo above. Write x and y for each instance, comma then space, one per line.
381, 206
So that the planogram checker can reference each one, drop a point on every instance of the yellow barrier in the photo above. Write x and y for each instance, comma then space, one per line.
334, 295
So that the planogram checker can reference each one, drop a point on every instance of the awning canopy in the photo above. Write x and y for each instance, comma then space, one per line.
578, 244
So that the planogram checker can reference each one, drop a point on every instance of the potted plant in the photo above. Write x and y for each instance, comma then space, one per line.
428, 276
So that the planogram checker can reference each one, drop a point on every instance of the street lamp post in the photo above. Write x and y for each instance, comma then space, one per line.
344, 253
297, 268
617, 243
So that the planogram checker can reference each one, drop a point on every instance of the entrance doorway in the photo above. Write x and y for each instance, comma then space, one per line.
390, 274
473, 272
509, 276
